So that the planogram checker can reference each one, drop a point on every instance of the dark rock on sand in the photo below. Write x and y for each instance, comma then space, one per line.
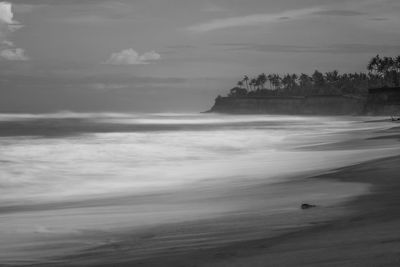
307, 206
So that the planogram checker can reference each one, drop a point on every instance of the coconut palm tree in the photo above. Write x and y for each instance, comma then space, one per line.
286, 81
305, 81
373, 64
293, 84
397, 63
381, 71
397, 68
319, 81
387, 70
262, 79
332, 79
276, 81
270, 78
246, 81
253, 84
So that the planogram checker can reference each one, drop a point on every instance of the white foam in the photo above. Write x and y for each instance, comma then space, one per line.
56, 169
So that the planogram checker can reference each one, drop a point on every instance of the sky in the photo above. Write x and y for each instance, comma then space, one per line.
176, 55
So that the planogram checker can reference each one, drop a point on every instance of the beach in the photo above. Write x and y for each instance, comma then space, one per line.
211, 133
369, 236
232, 221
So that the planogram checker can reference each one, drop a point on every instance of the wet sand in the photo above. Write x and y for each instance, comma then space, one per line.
136, 230
369, 236
365, 232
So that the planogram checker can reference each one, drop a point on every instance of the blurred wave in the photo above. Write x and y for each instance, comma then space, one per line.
64, 156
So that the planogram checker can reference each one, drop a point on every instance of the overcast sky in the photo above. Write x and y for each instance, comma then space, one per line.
176, 55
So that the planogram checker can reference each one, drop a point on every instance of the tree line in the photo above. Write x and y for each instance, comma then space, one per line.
382, 72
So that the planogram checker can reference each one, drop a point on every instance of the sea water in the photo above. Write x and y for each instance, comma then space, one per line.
66, 176
64, 156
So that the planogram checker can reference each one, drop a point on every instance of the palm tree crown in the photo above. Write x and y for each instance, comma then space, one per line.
382, 71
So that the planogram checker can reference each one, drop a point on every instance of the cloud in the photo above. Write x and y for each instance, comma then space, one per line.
131, 57
60, 2
251, 20
8, 43
181, 46
107, 86
16, 54
6, 14
7, 26
96, 12
337, 12
275, 48
324, 49
7, 18
378, 19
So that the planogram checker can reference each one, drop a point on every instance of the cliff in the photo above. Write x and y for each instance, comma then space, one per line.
377, 102
310, 105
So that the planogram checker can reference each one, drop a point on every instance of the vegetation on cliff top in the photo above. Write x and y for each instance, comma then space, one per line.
382, 72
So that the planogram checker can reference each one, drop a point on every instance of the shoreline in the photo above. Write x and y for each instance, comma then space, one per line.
135, 247
345, 241
298, 234
369, 236
371, 221
304, 242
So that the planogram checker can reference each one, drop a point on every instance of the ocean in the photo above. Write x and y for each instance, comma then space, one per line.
73, 174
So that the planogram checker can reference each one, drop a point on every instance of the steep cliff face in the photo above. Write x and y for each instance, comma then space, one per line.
310, 105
